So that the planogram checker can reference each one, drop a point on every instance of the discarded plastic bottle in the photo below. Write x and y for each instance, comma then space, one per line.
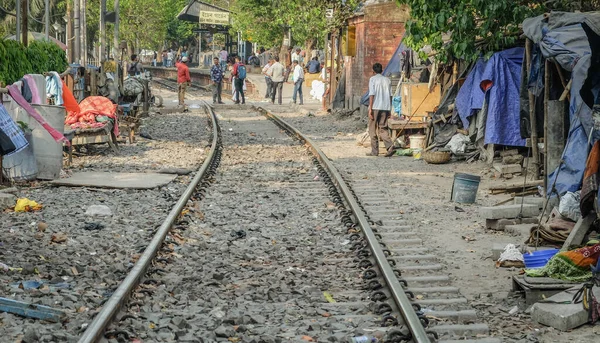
363, 339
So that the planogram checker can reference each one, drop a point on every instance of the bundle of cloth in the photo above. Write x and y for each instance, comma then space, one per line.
94, 112
574, 265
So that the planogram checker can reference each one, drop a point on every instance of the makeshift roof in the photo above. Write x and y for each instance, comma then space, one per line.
192, 10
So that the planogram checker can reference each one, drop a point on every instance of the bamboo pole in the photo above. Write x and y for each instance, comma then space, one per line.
77, 31
532, 117
546, 99
102, 55
24, 21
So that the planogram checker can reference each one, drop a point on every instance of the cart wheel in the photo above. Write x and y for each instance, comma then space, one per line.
157, 100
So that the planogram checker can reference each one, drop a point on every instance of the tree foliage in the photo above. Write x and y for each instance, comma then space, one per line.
468, 28
265, 21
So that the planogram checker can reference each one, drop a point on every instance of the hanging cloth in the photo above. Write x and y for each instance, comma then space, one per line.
54, 87
33, 88
16, 95
69, 100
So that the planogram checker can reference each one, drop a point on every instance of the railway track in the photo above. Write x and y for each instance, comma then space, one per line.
276, 246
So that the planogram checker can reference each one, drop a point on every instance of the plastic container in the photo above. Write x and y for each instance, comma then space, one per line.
538, 259
464, 188
417, 141
21, 166
48, 152
417, 153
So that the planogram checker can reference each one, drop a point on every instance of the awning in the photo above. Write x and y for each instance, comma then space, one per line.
192, 10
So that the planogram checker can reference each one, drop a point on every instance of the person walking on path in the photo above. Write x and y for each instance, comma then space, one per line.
223, 58
239, 75
276, 73
183, 79
298, 78
380, 105
170, 58
216, 76
268, 78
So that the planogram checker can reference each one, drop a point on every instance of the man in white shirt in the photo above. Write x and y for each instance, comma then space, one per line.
268, 79
276, 74
298, 78
296, 55
380, 105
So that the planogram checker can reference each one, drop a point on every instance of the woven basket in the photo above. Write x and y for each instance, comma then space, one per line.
436, 157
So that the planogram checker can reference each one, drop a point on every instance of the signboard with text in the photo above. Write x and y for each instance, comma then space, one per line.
214, 18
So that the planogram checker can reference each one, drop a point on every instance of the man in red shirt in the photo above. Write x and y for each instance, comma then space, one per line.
183, 78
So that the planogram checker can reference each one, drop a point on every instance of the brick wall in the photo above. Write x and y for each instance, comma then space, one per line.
378, 34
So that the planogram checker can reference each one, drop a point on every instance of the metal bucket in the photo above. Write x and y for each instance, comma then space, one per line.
21, 166
464, 188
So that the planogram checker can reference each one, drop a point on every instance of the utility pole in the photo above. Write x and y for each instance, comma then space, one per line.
102, 30
116, 33
77, 31
69, 33
83, 24
24, 20
47, 24
18, 33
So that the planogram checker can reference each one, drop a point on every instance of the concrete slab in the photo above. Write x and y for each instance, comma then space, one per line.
500, 224
579, 231
508, 168
116, 180
530, 201
519, 230
509, 211
514, 159
7, 201
560, 316
510, 152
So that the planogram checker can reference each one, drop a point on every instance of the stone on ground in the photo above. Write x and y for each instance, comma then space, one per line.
519, 230
7, 201
508, 168
560, 316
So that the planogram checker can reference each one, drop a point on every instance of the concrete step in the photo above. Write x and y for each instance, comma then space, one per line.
509, 211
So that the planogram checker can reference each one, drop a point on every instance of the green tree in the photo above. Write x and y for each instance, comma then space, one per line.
266, 21
468, 28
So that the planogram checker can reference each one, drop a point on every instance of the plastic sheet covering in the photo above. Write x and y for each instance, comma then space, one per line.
470, 97
13, 139
502, 79
563, 38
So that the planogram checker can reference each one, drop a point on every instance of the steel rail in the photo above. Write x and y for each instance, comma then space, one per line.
404, 305
112, 306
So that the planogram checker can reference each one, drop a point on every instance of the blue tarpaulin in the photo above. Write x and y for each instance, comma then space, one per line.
470, 97
502, 80
499, 79
562, 37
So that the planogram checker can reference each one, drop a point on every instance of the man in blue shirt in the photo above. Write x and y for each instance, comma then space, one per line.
216, 76
314, 67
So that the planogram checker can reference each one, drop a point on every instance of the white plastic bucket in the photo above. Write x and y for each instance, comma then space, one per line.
417, 141
48, 152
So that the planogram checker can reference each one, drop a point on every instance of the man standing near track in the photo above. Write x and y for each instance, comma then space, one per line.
276, 74
268, 78
183, 79
380, 105
239, 75
298, 79
216, 76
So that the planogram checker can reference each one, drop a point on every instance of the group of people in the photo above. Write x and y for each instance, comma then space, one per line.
170, 57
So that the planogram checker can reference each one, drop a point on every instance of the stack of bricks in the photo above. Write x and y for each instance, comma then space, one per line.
511, 164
